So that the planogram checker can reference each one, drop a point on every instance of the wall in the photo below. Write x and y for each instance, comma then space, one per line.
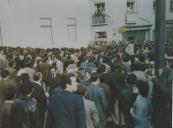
20, 21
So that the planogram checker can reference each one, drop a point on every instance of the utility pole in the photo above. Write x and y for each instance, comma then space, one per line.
48, 24
1, 38
160, 35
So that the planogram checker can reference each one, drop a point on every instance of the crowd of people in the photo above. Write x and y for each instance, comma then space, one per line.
105, 85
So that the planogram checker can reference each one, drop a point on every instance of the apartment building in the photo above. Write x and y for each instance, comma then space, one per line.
127, 20
74, 23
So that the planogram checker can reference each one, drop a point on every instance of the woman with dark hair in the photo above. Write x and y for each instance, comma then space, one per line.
142, 106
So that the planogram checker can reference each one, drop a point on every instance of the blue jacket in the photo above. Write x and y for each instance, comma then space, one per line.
97, 95
66, 110
141, 112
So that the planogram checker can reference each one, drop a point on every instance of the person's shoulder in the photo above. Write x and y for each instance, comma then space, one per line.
77, 96
89, 102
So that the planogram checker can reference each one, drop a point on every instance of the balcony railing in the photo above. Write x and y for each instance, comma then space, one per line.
99, 19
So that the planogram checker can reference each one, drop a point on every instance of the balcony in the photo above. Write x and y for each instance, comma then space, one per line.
99, 19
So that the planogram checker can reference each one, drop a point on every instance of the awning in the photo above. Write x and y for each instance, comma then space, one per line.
137, 27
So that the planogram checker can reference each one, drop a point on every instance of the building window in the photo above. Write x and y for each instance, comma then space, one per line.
100, 17
171, 5
130, 6
101, 35
100, 8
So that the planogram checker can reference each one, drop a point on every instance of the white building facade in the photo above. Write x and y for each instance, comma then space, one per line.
127, 19
44, 23
75, 23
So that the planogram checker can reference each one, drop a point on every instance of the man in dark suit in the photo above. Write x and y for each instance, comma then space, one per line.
66, 109
53, 79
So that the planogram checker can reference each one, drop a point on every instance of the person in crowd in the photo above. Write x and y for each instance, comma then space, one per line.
101, 68
4, 82
44, 67
105, 87
71, 67
86, 79
141, 110
126, 99
27, 69
66, 109
24, 108
90, 108
53, 79
5, 108
59, 64
40, 95
162, 98
105, 62
89, 64
96, 94
126, 62
12, 71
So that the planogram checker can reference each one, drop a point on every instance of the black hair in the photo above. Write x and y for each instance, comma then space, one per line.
131, 79
37, 76
24, 77
81, 90
101, 68
142, 87
4, 73
9, 92
64, 79
94, 76
26, 87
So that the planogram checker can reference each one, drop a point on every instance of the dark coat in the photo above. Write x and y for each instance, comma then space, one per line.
66, 110
23, 113
53, 82
41, 99
126, 100
4, 117
3, 85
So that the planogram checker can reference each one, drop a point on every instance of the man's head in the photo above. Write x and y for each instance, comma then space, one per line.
53, 70
94, 76
37, 76
68, 81
81, 90
131, 79
5, 74
26, 88
9, 92
24, 77
141, 88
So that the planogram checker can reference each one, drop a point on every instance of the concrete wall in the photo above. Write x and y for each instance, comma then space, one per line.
20, 22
